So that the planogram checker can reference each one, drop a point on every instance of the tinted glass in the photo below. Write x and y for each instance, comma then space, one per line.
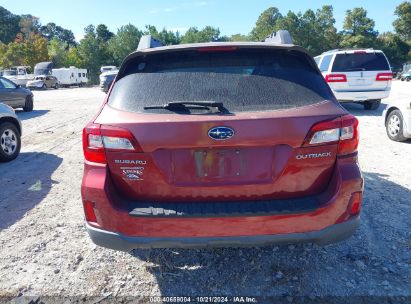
360, 62
244, 80
325, 63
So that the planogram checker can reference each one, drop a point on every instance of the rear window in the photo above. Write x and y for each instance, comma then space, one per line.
244, 80
360, 62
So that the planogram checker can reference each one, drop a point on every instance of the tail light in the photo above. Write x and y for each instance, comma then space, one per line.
384, 77
336, 78
342, 130
99, 138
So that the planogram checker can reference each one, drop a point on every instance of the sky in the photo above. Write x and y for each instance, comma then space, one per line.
230, 16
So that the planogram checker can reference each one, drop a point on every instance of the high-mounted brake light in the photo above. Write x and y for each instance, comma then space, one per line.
384, 77
336, 78
99, 138
342, 130
217, 49
360, 52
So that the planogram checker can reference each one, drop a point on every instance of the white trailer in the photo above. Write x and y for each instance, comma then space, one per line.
71, 76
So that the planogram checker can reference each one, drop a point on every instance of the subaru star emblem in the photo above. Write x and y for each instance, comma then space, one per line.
221, 133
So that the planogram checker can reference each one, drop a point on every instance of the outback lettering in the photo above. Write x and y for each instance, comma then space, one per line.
313, 155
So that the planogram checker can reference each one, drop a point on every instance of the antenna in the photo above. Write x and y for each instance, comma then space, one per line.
148, 42
280, 37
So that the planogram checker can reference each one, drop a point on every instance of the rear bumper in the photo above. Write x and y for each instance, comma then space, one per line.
118, 241
360, 96
118, 228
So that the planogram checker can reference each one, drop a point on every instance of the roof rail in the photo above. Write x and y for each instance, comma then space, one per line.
148, 42
280, 37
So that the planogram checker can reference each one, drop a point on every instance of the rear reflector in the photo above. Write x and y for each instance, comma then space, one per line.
342, 130
336, 78
384, 77
355, 204
89, 212
99, 138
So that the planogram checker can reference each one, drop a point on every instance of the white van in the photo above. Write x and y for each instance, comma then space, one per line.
71, 76
360, 75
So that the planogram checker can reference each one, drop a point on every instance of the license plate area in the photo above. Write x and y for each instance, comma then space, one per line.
222, 166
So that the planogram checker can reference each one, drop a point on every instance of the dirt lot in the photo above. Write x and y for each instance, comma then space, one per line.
44, 248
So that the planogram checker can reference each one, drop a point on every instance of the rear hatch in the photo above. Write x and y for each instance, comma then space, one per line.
254, 148
364, 71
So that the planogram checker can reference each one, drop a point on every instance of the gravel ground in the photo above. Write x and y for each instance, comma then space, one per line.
45, 250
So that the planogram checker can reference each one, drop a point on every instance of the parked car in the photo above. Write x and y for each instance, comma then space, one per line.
108, 68
106, 79
397, 120
361, 76
220, 144
406, 75
10, 134
43, 82
15, 96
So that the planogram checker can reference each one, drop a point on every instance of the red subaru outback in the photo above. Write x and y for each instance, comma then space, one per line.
220, 144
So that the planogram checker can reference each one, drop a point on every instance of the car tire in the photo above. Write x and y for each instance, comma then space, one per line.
28, 105
372, 104
395, 126
10, 142
407, 79
56, 86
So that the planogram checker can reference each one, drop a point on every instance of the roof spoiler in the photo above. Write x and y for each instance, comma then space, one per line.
279, 37
148, 42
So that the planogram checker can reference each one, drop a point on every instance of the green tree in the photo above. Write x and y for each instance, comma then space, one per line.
73, 58
57, 51
29, 26
29, 52
326, 29
394, 48
266, 24
207, 34
166, 37
358, 29
103, 33
402, 24
9, 25
239, 37
124, 42
94, 53
51, 31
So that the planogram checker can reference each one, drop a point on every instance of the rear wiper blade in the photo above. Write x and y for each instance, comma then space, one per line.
184, 105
